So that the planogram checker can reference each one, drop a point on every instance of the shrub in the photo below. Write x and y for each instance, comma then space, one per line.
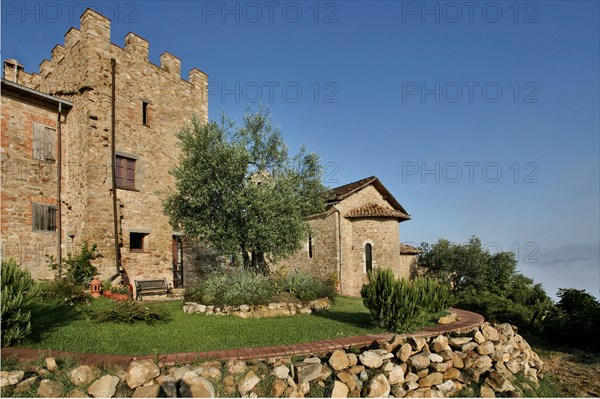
240, 287
395, 304
307, 287
64, 291
575, 319
78, 268
128, 312
17, 291
234, 287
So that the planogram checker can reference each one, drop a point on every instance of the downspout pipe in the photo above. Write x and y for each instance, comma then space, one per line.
58, 190
113, 64
339, 240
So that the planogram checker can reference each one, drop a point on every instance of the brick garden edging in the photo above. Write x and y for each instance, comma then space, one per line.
467, 321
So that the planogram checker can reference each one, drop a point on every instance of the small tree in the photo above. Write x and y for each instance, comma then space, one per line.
17, 290
238, 189
78, 267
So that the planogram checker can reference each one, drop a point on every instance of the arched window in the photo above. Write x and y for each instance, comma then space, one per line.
369, 258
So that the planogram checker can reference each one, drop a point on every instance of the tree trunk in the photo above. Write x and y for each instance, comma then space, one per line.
247, 260
259, 264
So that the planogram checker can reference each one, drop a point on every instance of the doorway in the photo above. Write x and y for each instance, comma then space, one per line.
177, 262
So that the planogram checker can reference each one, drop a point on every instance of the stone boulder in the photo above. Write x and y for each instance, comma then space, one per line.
338, 390
235, 367
396, 376
419, 361
370, 359
339, 361
280, 372
140, 372
83, 375
404, 352
51, 364
248, 382
307, 371
51, 389
150, 391
8, 378
377, 387
439, 344
194, 386
104, 387
168, 384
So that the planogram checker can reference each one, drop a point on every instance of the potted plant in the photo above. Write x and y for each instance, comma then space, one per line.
120, 292
107, 288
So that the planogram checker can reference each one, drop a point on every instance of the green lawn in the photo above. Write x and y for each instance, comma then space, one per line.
63, 327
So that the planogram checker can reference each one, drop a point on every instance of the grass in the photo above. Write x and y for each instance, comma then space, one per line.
68, 328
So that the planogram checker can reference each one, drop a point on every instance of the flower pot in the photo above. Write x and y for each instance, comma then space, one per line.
119, 297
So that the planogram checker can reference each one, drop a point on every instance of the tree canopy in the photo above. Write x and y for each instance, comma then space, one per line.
486, 283
238, 188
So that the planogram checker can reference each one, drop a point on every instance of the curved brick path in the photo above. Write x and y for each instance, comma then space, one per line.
467, 321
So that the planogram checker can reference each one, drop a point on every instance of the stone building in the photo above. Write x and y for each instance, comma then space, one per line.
94, 102
358, 232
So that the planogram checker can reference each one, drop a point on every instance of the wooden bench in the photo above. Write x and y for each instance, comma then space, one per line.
151, 287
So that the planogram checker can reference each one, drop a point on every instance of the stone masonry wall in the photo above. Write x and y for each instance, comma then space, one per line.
26, 180
80, 71
324, 237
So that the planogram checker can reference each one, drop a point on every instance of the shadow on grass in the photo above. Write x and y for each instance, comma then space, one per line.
48, 316
356, 319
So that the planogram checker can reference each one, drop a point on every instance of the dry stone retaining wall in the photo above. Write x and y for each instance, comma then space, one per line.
438, 366
259, 311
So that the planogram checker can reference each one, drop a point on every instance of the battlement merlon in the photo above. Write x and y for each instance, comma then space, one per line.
95, 29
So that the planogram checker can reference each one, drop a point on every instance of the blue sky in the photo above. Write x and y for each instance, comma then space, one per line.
482, 118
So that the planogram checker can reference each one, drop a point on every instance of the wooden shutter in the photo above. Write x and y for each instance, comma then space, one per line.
119, 171
51, 211
49, 138
130, 173
38, 141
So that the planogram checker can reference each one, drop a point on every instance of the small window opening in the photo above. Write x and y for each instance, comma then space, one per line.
145, 113
310, 249
369, 258
137, 242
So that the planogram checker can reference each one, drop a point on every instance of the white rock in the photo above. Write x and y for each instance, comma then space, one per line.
51, 364
378, 387
435, 358
83, 375
339, 390
194, 386
140, 372
370, 359
281, 372
104, 387
248, 382
396, 376
8, 378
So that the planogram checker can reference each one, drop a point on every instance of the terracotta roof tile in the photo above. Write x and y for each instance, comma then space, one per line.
378, 211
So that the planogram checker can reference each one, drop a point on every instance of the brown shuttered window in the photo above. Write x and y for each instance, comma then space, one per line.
43, 217
125, 172
43, 142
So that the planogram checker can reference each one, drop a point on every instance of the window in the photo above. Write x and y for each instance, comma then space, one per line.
43, 142
43, 217
136, 242
369, 258
125, 172
310, 252
145, 113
